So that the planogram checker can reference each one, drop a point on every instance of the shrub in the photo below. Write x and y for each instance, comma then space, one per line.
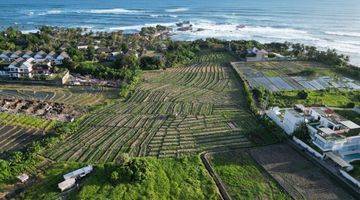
350, 105
302, 94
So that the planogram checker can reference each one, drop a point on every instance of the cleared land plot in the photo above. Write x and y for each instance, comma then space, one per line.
76, 95
176, 112
300, 178
243, 178
292, 75
14, 138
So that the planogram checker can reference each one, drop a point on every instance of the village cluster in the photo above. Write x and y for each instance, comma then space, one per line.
29, 64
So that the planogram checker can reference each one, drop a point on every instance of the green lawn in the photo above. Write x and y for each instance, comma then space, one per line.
184, 178
333, 98
243, 177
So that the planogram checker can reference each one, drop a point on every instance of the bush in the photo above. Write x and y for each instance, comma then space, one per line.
350, 105
132, 171
302, 94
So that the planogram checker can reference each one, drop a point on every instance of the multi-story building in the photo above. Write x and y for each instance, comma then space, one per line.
331, 133
21, 68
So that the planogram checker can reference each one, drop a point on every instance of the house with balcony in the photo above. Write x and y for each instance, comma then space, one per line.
336, 137
21, 68
290, 119
333, 133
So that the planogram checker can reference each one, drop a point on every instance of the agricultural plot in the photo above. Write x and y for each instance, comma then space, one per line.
292, 75
298, 176
243, 178
76, 95
14, 138
176, 112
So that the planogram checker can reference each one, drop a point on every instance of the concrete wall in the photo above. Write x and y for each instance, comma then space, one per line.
350, 178
308, 148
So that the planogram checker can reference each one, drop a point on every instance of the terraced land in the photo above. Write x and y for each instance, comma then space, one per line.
76, 95
14, 138
174, 112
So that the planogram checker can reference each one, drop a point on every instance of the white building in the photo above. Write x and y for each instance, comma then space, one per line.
21, 68
289, 119
67, 184
79, 173
23, 177
257, 55
337, 137
70, 178
336, 134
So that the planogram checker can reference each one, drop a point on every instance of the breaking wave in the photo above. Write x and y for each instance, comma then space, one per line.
339, 33
175, 10
112, 11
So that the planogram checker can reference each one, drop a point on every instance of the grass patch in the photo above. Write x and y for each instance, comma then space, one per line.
244, 179
333, 98
184, 178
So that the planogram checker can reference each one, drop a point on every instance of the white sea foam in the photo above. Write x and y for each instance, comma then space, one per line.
175, 10
138, 27
51, 12
162, 15
112, 11
341, 33
204, 29
30, 31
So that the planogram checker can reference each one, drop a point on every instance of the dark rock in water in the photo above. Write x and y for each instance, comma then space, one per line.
179, 24
200, 29
240, 26
187, 28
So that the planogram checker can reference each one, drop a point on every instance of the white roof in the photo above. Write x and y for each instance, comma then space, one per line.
23, 177
327, 130
350, 124
68, 183
78, 172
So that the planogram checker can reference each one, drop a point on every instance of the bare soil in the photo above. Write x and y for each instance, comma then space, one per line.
298, 176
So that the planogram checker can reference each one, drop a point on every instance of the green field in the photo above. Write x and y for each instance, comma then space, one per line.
333, 98
169, 178
26, 121
244, 179
174, 112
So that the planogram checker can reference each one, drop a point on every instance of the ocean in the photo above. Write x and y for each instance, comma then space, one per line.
322, 23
